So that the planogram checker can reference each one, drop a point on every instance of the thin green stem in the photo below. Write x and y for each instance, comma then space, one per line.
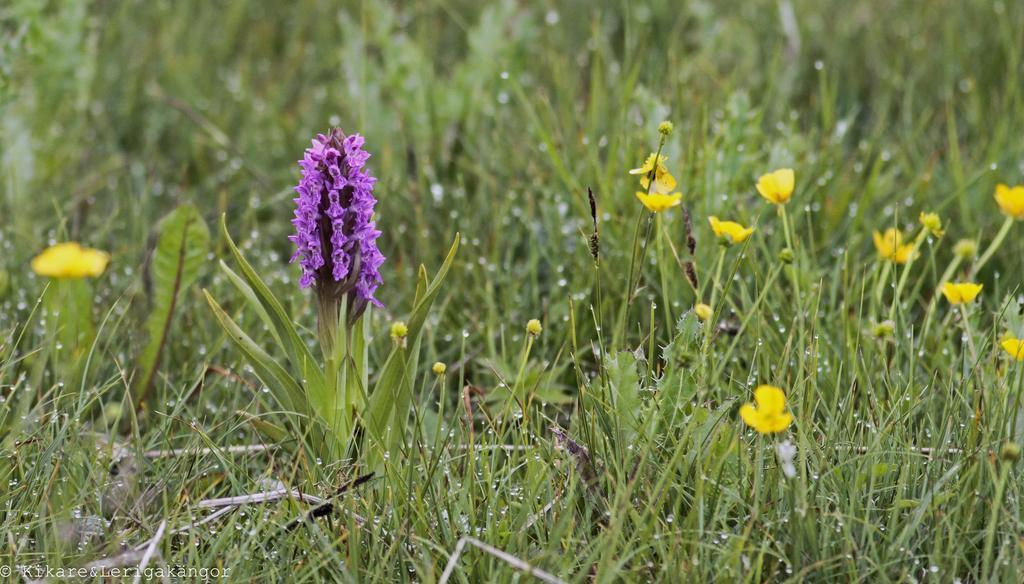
905, 275
992, 247
651, 176
930, 313
794, 275
968, 332
993, 522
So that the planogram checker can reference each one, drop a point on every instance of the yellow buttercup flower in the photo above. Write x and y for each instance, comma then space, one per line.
656, 203
664, 182
1013, 346
777, 186
932, 223
729, 231
769, 416
70, 260
703, 311
961, 293
890, 246
1011, 200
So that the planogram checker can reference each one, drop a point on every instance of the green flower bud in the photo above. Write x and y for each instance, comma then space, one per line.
1010, 452
884, 329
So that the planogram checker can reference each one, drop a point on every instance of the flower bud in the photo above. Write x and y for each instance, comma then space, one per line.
399, 331
533, 327
665, 128
1010, 452
966, 249
932, 223
786, 256
884, 329
439, 368
703, 311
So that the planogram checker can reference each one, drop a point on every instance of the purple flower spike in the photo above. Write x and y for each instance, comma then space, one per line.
335, 235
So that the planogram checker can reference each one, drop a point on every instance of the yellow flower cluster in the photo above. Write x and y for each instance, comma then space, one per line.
767, 414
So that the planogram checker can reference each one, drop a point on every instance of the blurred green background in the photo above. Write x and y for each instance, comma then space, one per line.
493, 118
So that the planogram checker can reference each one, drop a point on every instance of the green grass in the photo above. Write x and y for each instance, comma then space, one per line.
493, 121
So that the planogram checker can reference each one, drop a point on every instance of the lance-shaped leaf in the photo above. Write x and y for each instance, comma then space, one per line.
176, 263
269, 371
274, 316
388, 406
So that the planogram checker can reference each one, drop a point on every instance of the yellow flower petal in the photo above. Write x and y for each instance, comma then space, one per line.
648, 164
769, 415
70, 260
777, 186
961, 293
777, 423
890, 246
1015, 347
730, 230
664, 182
750, 415
1011, 200
657, 203
770, 399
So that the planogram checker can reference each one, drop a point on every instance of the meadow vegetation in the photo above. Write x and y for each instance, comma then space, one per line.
751, 381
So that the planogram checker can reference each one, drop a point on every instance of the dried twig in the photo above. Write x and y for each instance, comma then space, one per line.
264, 497
226, 505
929, 452
509, 559
579, 454
244, 449
536, 516
151, 549
211, 517
126, 559
467, 401
327, 506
